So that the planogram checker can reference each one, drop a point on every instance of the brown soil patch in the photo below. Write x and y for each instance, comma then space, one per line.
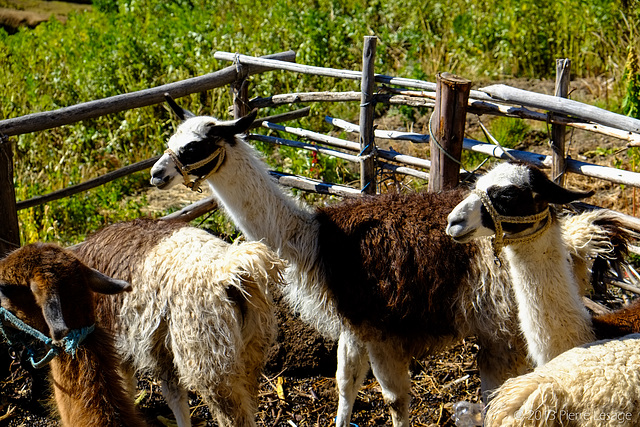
30, 13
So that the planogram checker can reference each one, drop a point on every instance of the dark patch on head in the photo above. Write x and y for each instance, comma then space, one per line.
512, 200
390, 265
551, 192
198, 150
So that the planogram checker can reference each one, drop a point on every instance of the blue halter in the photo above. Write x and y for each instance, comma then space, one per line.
70, 342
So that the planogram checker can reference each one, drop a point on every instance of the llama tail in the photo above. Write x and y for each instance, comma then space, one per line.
259, 268
600, 239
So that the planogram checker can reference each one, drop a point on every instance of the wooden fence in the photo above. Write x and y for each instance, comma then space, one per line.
448, 96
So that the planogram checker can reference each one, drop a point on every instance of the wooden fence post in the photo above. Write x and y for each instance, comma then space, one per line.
9, 229
240, 91
447, 130
559, 161
367, 106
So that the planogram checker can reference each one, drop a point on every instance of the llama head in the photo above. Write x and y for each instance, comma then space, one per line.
511, 198
50, 289
197, 150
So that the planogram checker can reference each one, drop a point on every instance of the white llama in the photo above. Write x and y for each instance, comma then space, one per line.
200, 316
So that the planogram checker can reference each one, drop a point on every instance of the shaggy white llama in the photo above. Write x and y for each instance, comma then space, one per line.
594, 385
362, 270
200, 316
51, 291
515, 198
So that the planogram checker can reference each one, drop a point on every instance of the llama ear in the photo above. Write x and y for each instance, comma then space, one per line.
233, 127
104, 284
553, 193
52, 312
178, 110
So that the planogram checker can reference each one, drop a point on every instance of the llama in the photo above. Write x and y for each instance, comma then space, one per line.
51, 290
378, 273
511, 203
200, 316
596, 384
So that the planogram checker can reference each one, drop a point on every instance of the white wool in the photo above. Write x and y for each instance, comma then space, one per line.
597, 384
552, 315
180, 317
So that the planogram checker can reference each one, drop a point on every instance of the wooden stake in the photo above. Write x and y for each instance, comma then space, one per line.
447, 127
559, 164
367, 143
9, 228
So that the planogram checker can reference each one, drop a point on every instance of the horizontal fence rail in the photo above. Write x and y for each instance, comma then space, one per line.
143, 98
495, 100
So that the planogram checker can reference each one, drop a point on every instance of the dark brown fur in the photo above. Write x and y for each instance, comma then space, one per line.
621, 322
381, 256
88, 389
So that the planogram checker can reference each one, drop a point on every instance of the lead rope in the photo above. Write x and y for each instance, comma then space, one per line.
70, 342
500, 240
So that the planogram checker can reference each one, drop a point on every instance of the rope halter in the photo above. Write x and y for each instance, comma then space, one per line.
194, 185
69, 344
501, 240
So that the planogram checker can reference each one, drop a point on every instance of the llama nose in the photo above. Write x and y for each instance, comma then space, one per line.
157, 181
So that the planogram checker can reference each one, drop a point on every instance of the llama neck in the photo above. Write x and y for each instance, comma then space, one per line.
550, 309
88, 389
256, 203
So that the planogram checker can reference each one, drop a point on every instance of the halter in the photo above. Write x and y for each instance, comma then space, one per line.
184, 170
70, 342
501, 240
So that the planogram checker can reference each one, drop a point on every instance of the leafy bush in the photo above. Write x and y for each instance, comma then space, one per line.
128, 45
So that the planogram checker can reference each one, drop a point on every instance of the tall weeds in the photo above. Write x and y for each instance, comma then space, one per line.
127, 45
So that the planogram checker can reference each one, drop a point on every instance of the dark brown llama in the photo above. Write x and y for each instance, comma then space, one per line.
50, 290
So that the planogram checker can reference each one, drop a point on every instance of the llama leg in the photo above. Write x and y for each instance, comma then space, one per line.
352, 368
232, 405
391, 370
177, 398
128, 374
497, 362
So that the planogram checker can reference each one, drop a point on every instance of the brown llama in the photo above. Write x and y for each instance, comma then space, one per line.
50, 290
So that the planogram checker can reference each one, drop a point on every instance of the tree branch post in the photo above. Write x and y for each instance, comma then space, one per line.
446, 127
367, 106
559, 161
240, 91
9, 228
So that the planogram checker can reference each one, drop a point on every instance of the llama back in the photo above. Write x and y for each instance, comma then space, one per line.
590, 385
187, 270
380, 255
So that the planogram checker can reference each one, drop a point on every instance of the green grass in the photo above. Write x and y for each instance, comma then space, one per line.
128, 45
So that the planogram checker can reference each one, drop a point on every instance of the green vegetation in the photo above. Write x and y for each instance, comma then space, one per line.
127, 45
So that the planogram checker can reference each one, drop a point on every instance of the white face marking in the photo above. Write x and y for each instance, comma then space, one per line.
464, 223
164, 174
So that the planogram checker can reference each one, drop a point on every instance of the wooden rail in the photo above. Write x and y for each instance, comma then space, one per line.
496, 99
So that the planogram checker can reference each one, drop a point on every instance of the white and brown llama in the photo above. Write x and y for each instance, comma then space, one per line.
200, 316
511, 203
379, 273
50, 290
